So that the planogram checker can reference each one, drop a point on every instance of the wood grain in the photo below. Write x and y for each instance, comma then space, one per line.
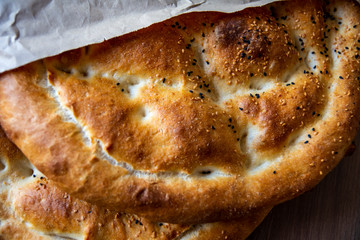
329, 211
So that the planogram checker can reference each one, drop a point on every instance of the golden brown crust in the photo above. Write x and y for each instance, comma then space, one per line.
202, 117
31, 207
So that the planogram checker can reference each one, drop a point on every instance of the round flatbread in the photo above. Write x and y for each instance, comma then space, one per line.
203, 117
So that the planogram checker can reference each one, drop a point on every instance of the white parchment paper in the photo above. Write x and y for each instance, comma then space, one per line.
34, 29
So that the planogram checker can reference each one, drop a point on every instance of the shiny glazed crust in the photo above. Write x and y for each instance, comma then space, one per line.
31, 207
203, 117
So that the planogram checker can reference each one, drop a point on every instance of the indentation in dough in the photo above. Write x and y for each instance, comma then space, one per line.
65, 70
84, 72
208, 172
134, 88
143, 114
294, 139
258, 168
260, 84
243, 141
292, 74
27, 171
312, 61
2, 165
129, 84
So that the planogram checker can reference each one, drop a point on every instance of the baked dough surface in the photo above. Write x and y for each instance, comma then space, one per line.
203, 117
32, 207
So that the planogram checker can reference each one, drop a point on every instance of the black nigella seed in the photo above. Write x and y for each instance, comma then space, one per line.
241, 108
251, 74
306, 142
213, 127
257, 95
163, 80
274, 172
201, 95
191, 91
309, 135
341, 77
251, 95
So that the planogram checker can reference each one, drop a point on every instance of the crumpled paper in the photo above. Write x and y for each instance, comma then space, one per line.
34, 29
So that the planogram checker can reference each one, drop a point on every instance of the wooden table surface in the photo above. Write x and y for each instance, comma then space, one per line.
330, 211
